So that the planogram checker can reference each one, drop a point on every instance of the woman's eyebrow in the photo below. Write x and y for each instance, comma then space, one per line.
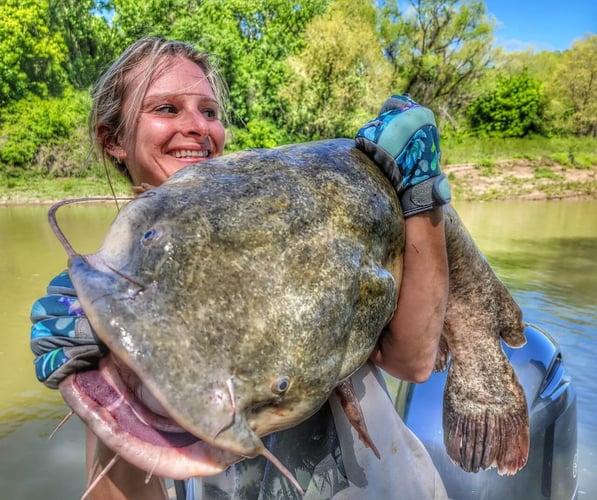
174, 94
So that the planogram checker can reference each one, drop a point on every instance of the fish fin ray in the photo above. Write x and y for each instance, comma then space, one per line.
352, 409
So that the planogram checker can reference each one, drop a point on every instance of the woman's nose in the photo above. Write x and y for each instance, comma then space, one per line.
195, 124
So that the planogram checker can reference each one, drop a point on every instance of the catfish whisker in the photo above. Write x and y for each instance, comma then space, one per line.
61, 423
101, 475
232, 397
150, 473
283, 470
56, 228
127, 278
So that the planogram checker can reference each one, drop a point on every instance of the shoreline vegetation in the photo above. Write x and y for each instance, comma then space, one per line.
506, 180
512, 124
478, 170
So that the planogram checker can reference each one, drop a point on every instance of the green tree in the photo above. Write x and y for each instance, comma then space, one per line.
439, 49
35, 123
87, 35
573, 89
539, 65
514, 109
31, 55
136, 18
252, 39
340, 78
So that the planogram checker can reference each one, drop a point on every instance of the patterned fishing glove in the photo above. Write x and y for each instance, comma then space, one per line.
61, 337
404, 143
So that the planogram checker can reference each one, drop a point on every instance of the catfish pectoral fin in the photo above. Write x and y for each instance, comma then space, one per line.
352, 409
486, 429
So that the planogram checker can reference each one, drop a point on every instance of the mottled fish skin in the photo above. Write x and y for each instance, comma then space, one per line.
257, 282
244, 290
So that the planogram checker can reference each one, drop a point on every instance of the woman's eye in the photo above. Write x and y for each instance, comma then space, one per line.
166, 109
210, 113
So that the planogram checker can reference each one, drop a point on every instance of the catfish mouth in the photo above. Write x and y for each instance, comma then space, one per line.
113, 403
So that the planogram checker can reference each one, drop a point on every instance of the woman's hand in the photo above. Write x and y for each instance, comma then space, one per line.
61, 337
403, 141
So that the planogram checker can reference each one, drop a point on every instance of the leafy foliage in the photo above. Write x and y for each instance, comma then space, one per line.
257, 134
33, 122
514, 109
339, 80
31, 55
296, 69
133, 18
87, 36
573, 89
438, 49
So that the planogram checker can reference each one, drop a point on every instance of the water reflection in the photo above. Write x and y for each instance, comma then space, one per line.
543, 251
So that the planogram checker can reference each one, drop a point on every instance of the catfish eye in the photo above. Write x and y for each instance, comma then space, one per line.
281, 385
151, 236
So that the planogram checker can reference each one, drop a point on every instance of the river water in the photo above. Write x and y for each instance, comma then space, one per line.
545, 252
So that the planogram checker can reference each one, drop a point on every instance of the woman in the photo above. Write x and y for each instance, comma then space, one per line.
158, 109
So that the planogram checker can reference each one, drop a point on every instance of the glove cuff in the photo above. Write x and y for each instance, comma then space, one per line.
383, 160
426, 195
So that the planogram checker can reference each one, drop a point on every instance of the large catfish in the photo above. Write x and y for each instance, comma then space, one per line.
238, 295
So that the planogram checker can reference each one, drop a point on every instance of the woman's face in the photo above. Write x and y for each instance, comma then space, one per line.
178, 125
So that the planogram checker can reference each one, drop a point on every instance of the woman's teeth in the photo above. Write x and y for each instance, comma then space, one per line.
187, 153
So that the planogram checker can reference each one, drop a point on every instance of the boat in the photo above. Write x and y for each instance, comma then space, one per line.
551, 472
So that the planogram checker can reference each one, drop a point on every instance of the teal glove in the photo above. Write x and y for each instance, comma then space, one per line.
404, 142
61, 337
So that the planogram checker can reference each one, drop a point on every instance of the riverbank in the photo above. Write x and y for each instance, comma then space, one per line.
521, 179
503, 180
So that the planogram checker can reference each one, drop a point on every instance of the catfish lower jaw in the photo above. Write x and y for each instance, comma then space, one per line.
146, 440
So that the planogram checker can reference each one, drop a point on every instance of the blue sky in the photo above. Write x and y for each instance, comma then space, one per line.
542, 24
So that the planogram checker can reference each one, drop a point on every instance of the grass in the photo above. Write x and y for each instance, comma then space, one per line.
38, 189
570, 151
485, 169
546, 173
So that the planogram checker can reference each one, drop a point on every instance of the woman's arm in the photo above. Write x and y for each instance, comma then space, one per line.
403, 141
408, 346
123, 481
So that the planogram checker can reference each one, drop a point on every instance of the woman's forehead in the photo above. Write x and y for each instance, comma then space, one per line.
172, 75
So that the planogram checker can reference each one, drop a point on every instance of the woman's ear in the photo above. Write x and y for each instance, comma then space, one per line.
110, 144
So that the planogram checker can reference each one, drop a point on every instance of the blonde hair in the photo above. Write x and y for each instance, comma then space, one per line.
112, 88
